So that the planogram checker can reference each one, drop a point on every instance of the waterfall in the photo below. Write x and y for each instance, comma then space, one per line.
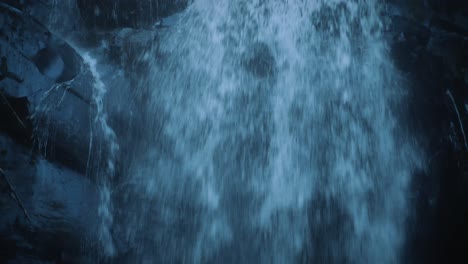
269, 133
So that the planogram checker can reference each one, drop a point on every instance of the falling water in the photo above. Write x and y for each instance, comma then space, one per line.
107, 170
269, 133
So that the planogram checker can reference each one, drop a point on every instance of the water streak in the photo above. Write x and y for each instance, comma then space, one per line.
106, 171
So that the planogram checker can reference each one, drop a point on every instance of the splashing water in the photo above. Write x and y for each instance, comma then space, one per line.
107, 171
270, 135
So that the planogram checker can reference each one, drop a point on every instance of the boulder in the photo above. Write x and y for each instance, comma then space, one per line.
60, 205
56, 83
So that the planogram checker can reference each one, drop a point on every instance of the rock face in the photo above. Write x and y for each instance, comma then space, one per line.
59, 203
126, 13
429, 43
58, 16
57, 85
45, 107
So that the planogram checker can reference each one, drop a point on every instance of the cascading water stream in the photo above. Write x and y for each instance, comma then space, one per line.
107, 148
270, 135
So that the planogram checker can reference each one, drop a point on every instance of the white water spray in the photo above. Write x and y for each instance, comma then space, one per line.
107, 171
271, 138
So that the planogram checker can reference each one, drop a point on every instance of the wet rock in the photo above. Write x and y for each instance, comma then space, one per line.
14, 118
428, 43
60, 202
48, 73
60, 17
49, 63
14, 3
129, 48
126, 13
